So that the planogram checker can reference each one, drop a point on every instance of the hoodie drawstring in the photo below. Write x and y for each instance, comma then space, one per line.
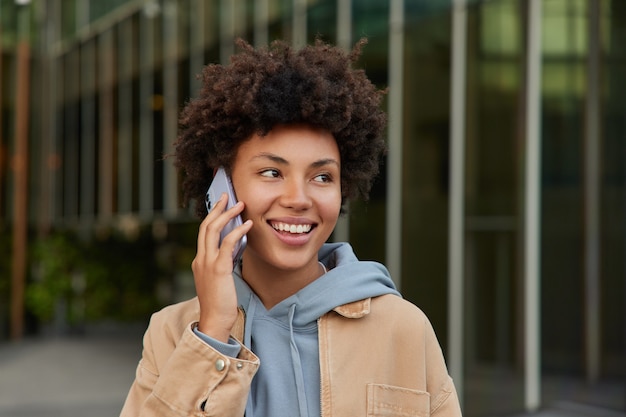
297, 366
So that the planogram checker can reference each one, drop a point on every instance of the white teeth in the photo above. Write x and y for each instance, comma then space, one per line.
292, 228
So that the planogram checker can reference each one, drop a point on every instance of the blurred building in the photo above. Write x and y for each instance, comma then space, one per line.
501, 207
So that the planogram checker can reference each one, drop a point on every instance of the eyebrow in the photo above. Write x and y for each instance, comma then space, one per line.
282, 161
325, 161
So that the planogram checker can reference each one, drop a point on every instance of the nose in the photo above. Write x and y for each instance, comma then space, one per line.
295, 195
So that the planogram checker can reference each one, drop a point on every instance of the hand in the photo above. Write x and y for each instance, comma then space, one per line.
213, 268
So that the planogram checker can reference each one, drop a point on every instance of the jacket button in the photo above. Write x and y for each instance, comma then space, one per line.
239, 365
220, 364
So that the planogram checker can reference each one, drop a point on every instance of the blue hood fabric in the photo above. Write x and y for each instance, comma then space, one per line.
285, 338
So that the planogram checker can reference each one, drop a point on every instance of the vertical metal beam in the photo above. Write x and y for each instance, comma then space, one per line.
55, 182
232, 24
170, 106
71, 156
106, 116
456, 213
344, 40
49, 174
146, 116
261, 22
592, 196
299, 26
125, 50
87, 133
82, 15
198, 41
3, 145
3, 142
344, 24
532, 224
393, 220
227, 30
20, 179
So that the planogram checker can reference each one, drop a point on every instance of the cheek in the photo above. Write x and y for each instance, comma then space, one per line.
256, 201
331, 206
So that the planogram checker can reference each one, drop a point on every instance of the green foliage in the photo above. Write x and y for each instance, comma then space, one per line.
57, 258
110, 278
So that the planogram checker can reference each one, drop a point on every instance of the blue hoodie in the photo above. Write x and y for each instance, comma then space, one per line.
285, 338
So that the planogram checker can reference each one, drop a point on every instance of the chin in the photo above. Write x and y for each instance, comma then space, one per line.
290, 260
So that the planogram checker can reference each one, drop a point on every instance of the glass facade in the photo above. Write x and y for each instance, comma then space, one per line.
107, 80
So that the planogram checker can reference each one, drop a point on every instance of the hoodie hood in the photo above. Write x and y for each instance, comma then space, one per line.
348, 279
285, 338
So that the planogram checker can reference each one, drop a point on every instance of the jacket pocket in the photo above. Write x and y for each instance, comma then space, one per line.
390, 401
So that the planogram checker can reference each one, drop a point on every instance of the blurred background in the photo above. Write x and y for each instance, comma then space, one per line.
500, 209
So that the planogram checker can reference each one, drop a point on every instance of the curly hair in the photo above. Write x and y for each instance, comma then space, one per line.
264, 87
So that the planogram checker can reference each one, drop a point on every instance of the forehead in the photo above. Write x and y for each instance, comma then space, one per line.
293, 143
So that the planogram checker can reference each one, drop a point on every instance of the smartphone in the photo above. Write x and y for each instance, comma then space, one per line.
222, 184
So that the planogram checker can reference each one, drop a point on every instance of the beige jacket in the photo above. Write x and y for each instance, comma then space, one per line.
378, 357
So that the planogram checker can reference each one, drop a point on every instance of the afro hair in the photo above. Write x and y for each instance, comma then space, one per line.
268, 86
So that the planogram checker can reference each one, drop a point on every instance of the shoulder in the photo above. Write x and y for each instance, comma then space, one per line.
402, 317
388, 314
392, 306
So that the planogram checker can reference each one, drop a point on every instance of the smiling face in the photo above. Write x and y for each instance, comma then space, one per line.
290, 182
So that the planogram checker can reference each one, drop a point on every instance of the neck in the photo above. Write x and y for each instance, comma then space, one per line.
272, 285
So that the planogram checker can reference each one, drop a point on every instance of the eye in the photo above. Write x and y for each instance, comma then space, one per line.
323, 178
270, 173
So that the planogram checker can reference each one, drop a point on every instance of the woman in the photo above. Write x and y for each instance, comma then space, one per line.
297, 327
